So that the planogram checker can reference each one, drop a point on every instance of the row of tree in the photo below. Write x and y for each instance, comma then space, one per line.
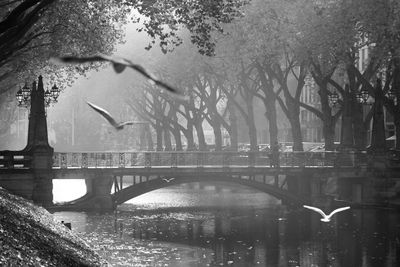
269, 54
262, 49
32, 31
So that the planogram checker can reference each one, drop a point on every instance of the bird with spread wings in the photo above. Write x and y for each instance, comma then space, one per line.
111, 120
326, 218
119, 65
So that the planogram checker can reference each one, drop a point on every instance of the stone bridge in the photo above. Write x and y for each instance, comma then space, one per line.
301, 177
359, 178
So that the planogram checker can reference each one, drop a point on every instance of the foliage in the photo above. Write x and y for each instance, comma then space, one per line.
35, 30
30, 237
201, 18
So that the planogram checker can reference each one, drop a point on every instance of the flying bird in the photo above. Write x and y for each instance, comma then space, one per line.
168, 180
119, 65
326, 218
107, 116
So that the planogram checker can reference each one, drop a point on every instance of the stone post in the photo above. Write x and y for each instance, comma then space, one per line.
99, 191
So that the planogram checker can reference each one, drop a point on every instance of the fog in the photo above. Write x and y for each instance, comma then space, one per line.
74, 126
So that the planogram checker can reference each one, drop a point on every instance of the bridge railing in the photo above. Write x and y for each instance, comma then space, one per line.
175, 159
14, 160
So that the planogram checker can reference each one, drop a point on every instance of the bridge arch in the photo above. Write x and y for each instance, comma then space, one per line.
154, 184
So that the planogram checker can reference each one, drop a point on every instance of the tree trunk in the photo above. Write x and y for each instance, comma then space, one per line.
189, 137
328, 130
252, 125
200, 135
397, 129
159, 137
328, 121
149, 138
296, 133
396, 89
178, 140
293, 109
270, 114
167, 139
217, 135
359, 130
142, 139
234, 128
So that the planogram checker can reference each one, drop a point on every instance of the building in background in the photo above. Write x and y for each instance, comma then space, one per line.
311, 125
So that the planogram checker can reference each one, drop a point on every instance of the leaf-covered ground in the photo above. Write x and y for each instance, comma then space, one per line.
29, 236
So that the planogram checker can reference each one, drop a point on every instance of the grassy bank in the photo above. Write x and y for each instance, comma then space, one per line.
30, 237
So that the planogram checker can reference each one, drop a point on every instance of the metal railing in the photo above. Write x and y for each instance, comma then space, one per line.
175, 159
14, 160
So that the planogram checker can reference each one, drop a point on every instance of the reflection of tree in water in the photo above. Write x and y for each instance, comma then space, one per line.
233, 238
240, 237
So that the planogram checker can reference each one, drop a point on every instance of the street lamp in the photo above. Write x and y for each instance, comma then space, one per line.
23, 96
20, 97
362, 96
333, 99
391, 95
26, 93
55, 92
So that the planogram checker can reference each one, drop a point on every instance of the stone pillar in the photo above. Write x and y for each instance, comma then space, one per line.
99, 190
39, 149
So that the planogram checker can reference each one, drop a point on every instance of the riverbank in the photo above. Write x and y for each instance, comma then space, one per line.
29, 236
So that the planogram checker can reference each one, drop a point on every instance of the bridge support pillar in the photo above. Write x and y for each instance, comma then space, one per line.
299, 185
42, 193
99, 192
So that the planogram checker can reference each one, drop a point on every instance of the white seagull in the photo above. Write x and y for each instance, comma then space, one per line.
107, 116
168, 180
326, 218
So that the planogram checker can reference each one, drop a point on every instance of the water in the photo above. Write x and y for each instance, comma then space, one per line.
188, 226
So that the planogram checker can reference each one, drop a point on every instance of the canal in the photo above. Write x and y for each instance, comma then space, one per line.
223, 225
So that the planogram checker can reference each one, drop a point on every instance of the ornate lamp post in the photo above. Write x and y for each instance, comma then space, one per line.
362, 96
391, 95
38, 148
333, 99
23, 96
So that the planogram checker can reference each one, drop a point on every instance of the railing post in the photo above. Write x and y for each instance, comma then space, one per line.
251, 157
109, 159
174, 160
200, 159
133, 159
8, 163
147, 159
84, 163
56, 160
122, 160
64, 160
74, 161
